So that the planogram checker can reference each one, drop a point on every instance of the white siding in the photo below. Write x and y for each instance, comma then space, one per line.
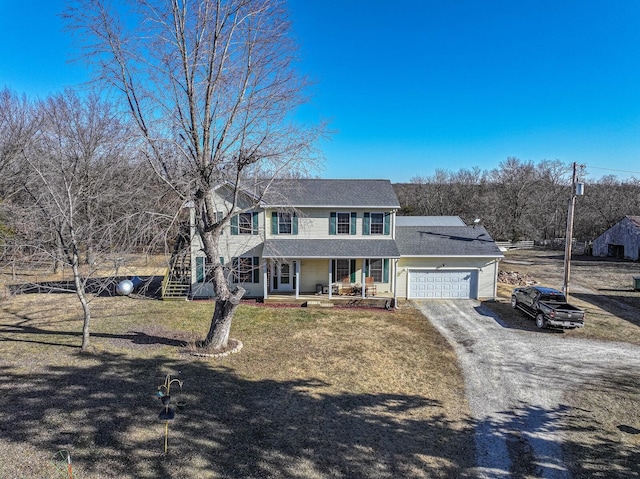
314, 223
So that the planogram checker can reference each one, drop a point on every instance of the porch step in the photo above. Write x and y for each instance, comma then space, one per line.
176, 291
318, 304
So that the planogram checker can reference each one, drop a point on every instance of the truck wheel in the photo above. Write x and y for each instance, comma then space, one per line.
514, 302
540, 321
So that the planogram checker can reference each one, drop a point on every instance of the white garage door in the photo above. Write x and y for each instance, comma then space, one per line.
440, 284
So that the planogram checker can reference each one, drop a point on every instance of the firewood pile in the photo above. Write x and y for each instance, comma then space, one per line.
515, 278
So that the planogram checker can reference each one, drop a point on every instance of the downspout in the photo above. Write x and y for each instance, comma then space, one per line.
495, 279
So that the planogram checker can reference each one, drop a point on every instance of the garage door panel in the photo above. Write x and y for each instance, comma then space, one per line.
440, 284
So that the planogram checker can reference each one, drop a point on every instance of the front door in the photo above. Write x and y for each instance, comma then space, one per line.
283, 276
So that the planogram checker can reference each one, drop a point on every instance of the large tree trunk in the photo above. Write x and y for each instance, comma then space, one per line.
218, 336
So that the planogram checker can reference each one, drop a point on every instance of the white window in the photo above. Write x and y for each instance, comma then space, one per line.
243, 269
375, 269
377, 224
285, 223
344, 223
245, 223
342, 269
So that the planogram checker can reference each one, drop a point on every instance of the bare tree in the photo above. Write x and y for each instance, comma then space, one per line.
212, 87
18, 128
71, 187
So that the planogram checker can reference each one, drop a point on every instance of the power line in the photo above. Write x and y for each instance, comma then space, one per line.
611, 169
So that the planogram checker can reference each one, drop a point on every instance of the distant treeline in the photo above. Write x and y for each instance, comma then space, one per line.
523, 200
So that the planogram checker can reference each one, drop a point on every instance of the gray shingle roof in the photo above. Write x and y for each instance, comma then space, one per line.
331, 193
330, 248
445, 241
429, 221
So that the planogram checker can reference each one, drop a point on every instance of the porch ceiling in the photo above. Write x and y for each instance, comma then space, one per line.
330, 248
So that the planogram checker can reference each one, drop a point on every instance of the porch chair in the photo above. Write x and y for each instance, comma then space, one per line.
345, 286
370, 288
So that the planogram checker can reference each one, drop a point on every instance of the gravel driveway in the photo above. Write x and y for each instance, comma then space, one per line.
515, 382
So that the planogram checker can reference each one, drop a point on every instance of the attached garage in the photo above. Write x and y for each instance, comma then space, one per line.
443, 259
442, 284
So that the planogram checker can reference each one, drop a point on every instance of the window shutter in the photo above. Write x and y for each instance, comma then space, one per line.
353, 223
199, 269
387, 223
274, 222
366, 267
256, 269
333, 223
254, 218
352, 270
234, 225
366, 224
385, 270
294, 224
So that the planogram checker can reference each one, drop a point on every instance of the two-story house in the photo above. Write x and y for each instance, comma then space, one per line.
324, 236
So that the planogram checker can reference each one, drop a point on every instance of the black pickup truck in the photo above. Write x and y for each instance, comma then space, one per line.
548, 306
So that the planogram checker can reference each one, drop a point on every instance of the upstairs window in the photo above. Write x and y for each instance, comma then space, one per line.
244, 223
342, 223
376, 224
284, 223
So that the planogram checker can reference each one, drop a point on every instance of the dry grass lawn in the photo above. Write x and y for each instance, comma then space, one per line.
313, 393
341, 393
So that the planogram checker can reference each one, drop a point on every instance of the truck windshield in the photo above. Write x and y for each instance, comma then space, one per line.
557, 298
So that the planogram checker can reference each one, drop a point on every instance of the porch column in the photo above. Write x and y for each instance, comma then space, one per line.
297, 273
265, 279
330, 279
363, 282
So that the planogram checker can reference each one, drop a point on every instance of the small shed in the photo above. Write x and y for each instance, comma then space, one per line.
622, 240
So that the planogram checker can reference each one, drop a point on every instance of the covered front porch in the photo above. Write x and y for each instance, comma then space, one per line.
346, 270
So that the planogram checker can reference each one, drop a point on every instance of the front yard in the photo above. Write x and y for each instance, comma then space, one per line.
313, 393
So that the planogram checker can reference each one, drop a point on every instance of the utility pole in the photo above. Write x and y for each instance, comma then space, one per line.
576, 189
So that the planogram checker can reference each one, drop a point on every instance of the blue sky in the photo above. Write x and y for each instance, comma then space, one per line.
410, 86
